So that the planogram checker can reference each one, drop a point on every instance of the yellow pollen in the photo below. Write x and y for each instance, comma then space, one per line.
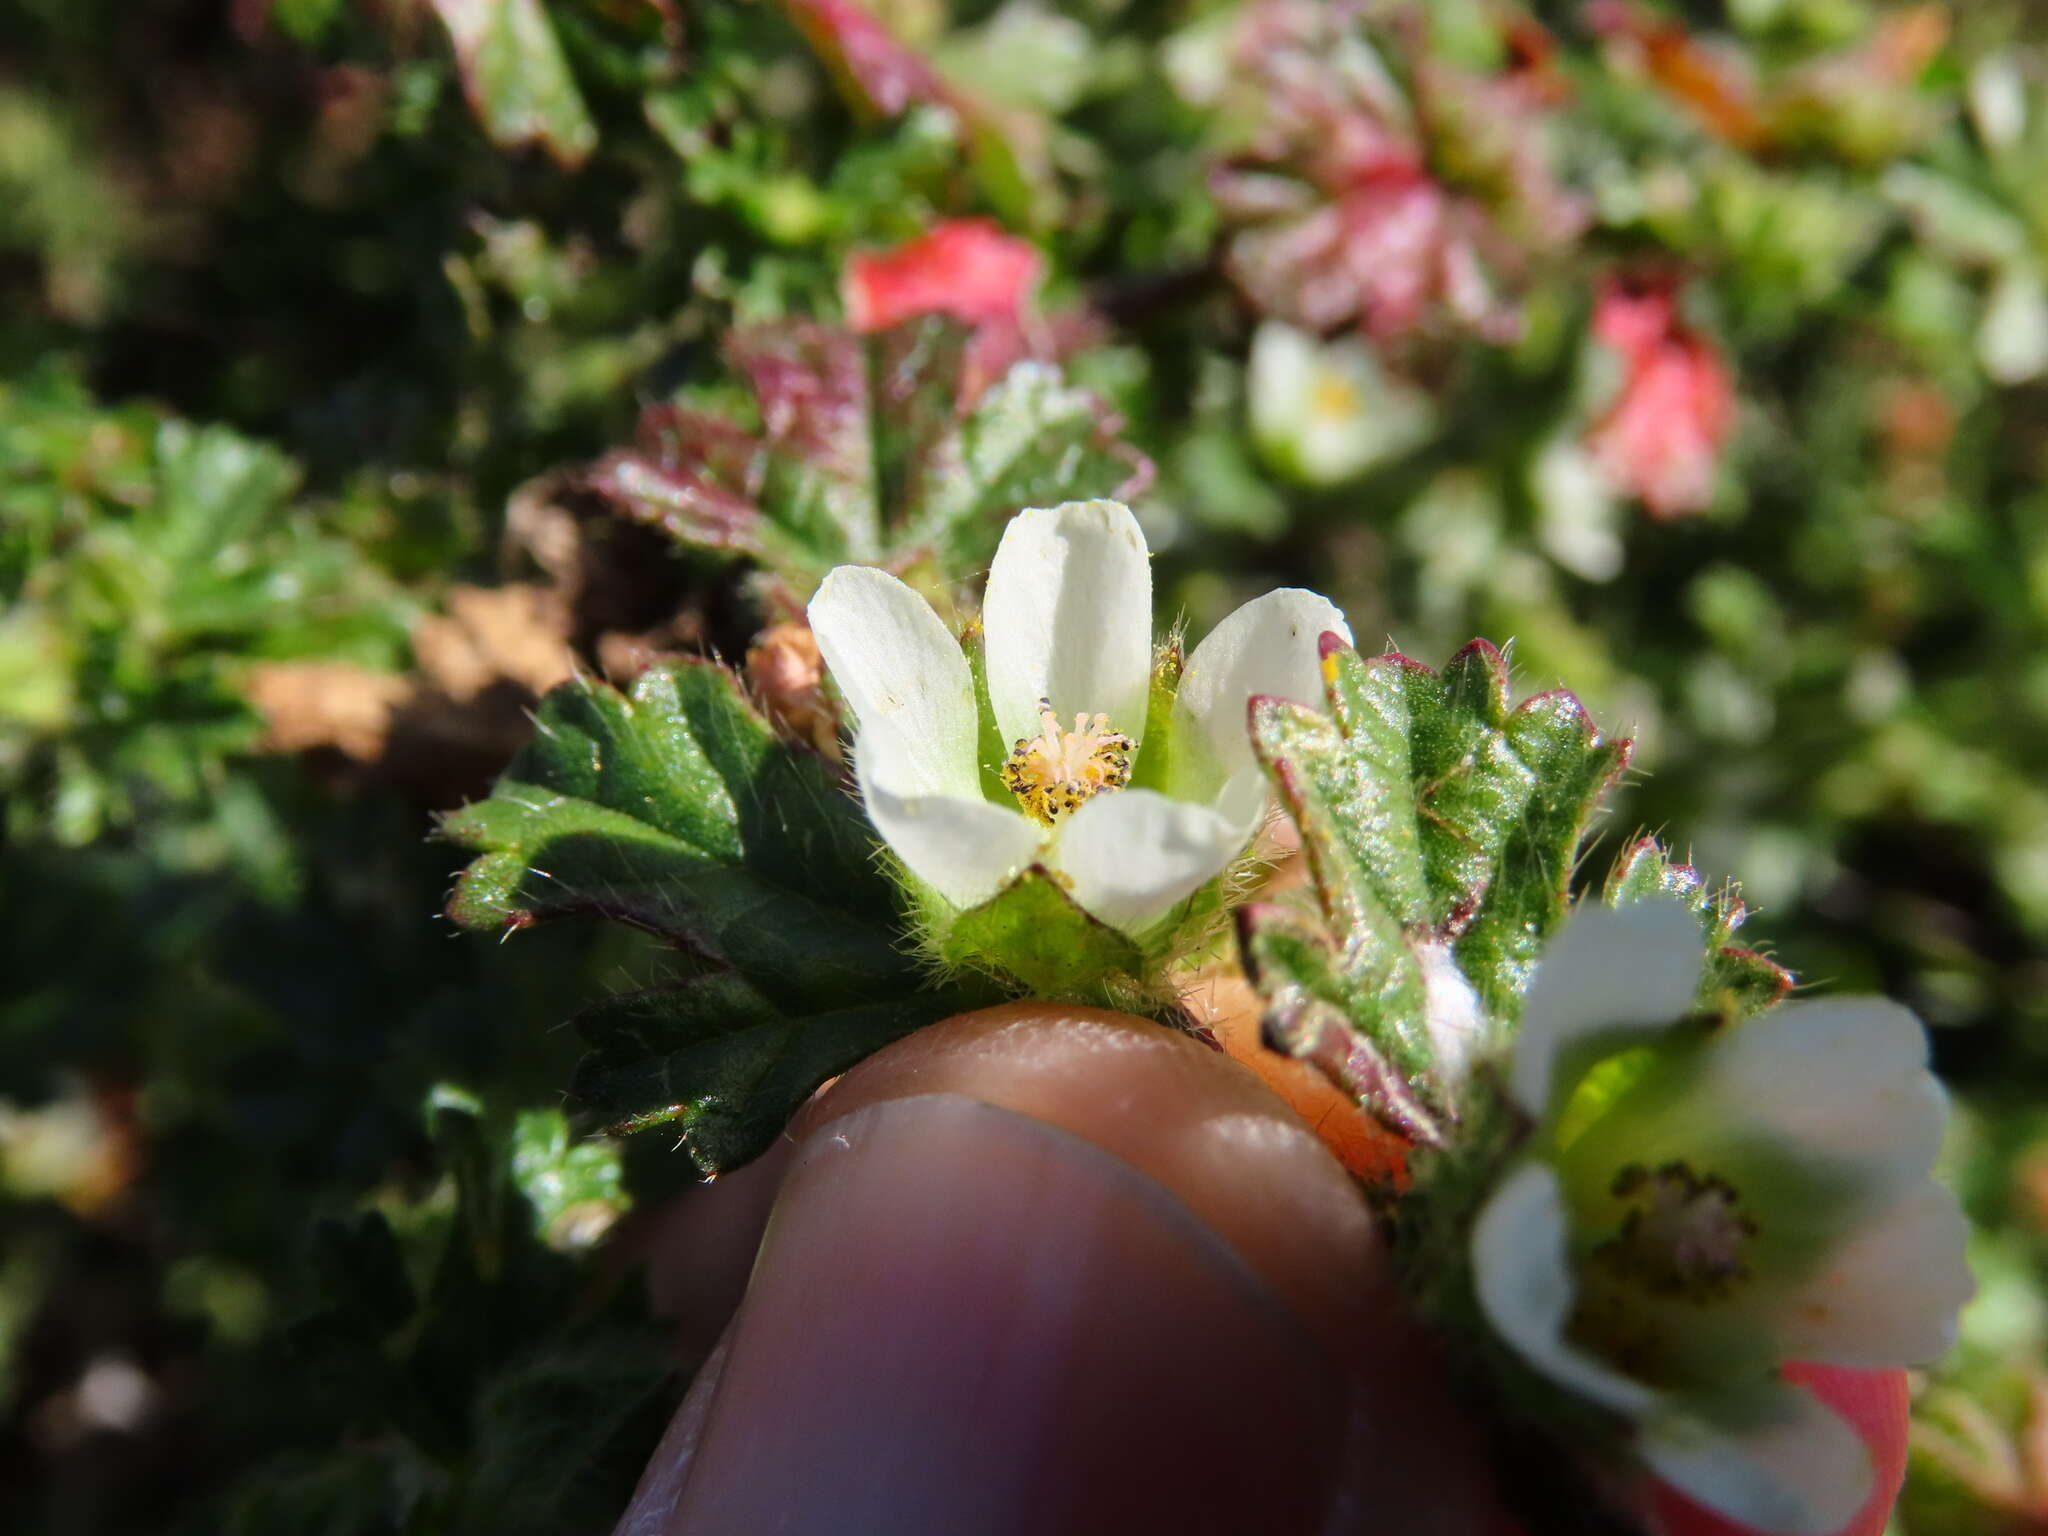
1333, 395
1057, 770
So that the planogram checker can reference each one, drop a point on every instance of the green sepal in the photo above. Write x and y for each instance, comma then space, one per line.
1032, 932
675, 809
1737, 983
990, 748
1163, 746
1440, 827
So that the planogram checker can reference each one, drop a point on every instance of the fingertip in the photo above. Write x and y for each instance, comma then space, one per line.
1177, 1111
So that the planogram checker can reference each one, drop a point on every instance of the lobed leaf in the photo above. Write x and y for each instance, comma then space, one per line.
1440, 828
883, 450
674, 809
1739, 983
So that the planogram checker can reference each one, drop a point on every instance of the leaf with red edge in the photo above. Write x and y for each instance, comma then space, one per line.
876, 450
1737, 983
1441, 827
690, 475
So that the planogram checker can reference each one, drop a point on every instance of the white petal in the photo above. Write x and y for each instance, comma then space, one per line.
905, 677
1607, 969
1889, 1295
1804, 1472
1522, 1272
1069, 618
1269, 646
1132, 854
1845, 1078
964, 848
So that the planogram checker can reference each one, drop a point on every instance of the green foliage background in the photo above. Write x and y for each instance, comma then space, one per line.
296, 297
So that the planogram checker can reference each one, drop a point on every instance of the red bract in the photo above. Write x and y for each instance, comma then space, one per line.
1660, 440
967, 268
1874, 1403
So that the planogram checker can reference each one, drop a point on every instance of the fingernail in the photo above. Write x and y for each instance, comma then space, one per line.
965, 1320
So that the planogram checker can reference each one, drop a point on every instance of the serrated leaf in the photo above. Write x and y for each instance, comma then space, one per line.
725, 1064
874, 450
1036, 933
517, 78
676, 810
1738, 983
1440, 828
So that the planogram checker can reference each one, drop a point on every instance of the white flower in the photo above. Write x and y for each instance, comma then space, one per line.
1702, 1203
1068, 634
1325, 411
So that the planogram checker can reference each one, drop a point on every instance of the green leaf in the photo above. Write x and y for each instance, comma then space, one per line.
562, 1429
1440, 828
573, 1185
516, 77
676, 810
884, 450
1033, 931
726, 1065
1737, 983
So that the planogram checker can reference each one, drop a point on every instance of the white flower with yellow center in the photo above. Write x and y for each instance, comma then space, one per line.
1129, 827
1704, 1202
1324, 412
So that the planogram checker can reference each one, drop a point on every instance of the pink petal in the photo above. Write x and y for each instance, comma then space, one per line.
967, 268
1874, 1403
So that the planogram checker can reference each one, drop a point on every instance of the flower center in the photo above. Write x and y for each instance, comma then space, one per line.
1334, 396
1056, 770
1684, 1235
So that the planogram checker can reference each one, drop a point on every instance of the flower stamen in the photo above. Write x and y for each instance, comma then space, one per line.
1684, 1235
1059, 770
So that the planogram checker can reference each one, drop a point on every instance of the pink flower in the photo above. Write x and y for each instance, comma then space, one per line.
967, 268
1660, 440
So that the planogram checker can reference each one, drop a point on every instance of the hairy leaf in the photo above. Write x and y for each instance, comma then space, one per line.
1737, 982
1440, 827
674, 809
725, 1064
